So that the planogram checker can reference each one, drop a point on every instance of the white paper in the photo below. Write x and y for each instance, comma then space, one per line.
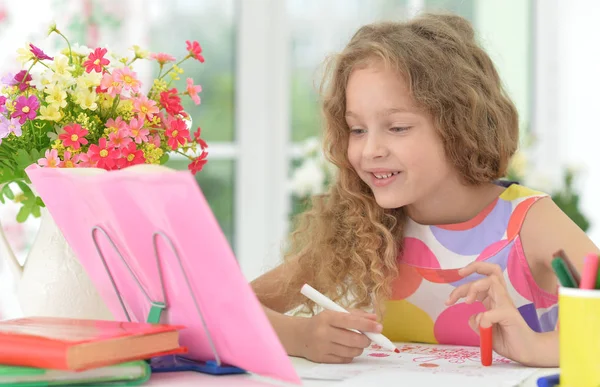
422, 363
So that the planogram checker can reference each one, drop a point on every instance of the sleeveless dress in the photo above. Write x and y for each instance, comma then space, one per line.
428, 273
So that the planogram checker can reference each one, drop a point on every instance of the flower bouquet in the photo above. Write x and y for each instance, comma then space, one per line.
85, 108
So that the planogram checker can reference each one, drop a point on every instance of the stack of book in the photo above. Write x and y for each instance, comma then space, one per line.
46, 351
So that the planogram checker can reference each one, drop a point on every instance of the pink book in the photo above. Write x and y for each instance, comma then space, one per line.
130, 206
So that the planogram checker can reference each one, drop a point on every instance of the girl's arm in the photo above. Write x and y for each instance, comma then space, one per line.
279, 289
270, 291
324, 338
546, 230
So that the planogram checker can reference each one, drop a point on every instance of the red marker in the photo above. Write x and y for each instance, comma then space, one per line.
590, 272
485, 342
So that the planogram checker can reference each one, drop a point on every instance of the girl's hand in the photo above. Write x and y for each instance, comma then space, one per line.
512, 337
327, 339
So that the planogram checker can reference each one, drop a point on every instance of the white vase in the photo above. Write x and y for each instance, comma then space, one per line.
52, 282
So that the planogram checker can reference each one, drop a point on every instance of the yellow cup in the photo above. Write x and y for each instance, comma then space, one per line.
579, 332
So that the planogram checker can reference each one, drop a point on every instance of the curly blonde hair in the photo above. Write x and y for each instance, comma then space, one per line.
346, 245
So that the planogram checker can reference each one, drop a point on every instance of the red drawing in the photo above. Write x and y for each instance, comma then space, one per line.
379, 354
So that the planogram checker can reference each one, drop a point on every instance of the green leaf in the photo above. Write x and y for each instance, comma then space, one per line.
39, 201
35, 155
6, 174
35, 211
25, 188
23, 214
23, 159
164, 158
7, 191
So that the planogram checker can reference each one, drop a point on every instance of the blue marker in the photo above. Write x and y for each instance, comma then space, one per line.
549, 381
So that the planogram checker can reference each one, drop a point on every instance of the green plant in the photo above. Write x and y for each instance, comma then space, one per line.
568, 200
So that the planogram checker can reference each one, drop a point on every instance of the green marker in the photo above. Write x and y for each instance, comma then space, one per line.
562, 272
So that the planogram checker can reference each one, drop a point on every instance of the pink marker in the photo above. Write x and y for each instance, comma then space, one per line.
590, 272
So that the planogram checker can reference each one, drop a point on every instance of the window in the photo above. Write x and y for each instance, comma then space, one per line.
212, 24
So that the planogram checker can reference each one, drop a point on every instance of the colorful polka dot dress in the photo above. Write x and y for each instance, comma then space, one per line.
428, 272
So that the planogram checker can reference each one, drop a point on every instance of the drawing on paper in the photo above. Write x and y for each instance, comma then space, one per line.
458, 355
427, 358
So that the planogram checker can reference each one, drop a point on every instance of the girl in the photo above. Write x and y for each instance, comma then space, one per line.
420, 127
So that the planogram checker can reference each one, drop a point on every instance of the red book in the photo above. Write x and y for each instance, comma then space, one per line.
71, 344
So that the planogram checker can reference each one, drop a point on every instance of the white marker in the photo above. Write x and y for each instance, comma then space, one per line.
325, 303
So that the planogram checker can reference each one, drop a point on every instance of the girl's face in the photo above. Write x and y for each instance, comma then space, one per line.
393, 146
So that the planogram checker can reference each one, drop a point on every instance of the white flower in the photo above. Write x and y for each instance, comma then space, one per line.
79, 50
40, 77
308, 179
311, 146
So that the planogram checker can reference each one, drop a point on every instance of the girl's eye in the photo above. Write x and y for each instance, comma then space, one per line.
399, 129
356, 131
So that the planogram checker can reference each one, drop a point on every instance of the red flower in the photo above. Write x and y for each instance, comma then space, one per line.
22, 80
198, 163
177, 133
171, 102
96, 60
38, 53
103, 155
195, 50
74, 136
130, 155
200, 141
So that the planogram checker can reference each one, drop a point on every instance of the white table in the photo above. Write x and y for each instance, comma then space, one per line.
195, 379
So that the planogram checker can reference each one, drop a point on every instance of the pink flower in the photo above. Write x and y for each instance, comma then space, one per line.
193, 91
195, 50
177, 133
74, 136
119, 139
162, 58
82, 160
96, 60
38, 53
103, 155
146, 108
154, 140
127, 78
26, 108
117, 125
22, 80
10, 125
110, 85
137, 131
130, 155
68, 161
51, 160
